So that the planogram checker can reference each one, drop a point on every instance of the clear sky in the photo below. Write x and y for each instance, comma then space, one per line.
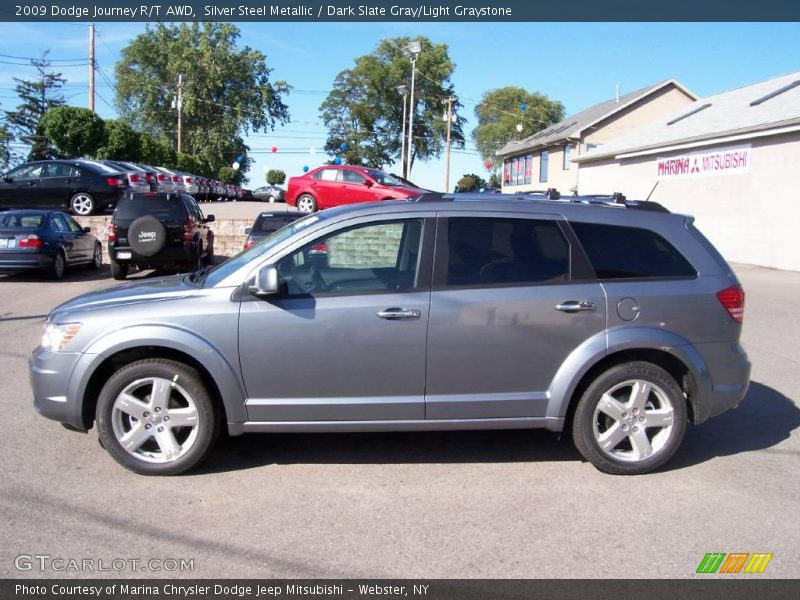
578, 64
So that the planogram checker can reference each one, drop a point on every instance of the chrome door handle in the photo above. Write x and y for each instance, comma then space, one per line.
576, 306
395, 314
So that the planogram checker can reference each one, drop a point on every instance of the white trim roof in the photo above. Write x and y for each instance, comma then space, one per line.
750, 111
574, 125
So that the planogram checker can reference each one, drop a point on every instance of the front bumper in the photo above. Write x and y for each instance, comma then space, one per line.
50, 374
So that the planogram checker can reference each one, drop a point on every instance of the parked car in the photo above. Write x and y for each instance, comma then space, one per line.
267, 223
83, 186
269, 193
139, 180
334, 185
169, 181
159, 230
618, 322
46, 240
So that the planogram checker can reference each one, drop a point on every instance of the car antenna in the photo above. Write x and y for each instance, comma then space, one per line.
651, 191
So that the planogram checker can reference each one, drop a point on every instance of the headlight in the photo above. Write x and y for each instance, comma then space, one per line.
57, 336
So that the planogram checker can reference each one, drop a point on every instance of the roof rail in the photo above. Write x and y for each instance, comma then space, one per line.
615, 200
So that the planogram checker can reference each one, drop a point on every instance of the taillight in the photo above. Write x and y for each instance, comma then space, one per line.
187, 230
112, 233
249, 243
150, 178
135, 178
176, 179
162, 178
319, 248
115, 182
732, 298
32, 241
189, 180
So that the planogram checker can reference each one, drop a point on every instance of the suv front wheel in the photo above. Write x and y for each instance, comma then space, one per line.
631, 419
156, 417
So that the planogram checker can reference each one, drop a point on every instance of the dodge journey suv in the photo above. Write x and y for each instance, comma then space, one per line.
617, 321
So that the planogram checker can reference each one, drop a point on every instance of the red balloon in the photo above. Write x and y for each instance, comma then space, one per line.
274, 149
488, 164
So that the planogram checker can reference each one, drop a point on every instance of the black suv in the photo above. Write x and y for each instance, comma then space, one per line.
159, 230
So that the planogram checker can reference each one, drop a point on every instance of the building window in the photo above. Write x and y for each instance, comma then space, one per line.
507, 172
528, 165
567, 153
544, 158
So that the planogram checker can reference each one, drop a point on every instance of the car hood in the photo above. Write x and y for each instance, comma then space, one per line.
134, 292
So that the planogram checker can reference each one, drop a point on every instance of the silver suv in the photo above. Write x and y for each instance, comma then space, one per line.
618, 321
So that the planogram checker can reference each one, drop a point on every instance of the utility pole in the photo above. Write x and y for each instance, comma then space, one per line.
403, 91
91, 67
449, 118
179, 106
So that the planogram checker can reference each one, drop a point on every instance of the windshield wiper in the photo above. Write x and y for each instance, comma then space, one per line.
199, 276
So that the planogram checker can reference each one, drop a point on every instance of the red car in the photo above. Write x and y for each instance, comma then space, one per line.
333, 185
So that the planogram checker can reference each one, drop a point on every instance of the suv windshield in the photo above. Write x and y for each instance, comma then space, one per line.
254, 252
382, 178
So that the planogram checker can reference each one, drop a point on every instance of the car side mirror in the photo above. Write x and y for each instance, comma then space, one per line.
248, 230
368, 183
210, 219
267, 282
87, 230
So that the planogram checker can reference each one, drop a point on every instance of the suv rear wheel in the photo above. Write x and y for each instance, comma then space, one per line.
631, 419
156, 417
119, 270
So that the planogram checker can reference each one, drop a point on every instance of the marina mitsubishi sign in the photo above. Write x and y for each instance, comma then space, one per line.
724, 161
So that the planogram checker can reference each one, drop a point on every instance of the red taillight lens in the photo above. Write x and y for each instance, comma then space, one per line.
112, 233
32, 241
150, 178
319, 248
135, 178
249, 243
189, 180
732, 298
176, 179
187, 230
162, 178
115, 182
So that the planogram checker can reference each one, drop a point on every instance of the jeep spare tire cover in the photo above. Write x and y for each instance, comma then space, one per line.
147, 236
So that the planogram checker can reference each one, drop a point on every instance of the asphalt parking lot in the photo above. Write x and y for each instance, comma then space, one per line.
460, 504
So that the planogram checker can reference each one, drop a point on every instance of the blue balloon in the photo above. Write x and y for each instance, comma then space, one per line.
337, 161
305, 168
240, 159
523, 106
343, 146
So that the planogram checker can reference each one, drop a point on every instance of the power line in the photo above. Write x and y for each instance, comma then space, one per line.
46, 59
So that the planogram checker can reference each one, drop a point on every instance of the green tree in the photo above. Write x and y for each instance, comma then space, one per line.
227, 90
470, 183
38, 96
157, 151
7, 156
189, 164
227, 175
73, 131
500, 111
276, 177
120, 142
494, 180
364, 110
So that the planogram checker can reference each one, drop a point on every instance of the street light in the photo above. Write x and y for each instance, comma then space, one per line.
403, 91
412, 51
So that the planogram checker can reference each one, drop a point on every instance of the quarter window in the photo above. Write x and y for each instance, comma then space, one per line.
618, 252
505, 251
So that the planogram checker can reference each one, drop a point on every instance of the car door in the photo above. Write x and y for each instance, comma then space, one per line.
325, 187
508, 306
18, 187
66, 237
83, 241
57, 184
345, 340
354, 188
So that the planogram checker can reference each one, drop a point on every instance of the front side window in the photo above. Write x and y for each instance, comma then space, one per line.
499, 251
366, 258
26, 172
618, 252
350, 176
544, 159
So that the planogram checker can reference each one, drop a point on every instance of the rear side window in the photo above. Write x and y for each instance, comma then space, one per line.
12, 221
271, 224
505, 251
618, 252
163, 208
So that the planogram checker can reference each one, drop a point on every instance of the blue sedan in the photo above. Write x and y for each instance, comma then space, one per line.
48, 240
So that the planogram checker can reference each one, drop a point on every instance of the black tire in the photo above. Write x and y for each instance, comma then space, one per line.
82, 204
307, 203
658, 401
208, 259
119, 270
57, 267
97, 258
184, 391
147, 236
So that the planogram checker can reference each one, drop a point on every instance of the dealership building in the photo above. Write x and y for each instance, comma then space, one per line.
732, 160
